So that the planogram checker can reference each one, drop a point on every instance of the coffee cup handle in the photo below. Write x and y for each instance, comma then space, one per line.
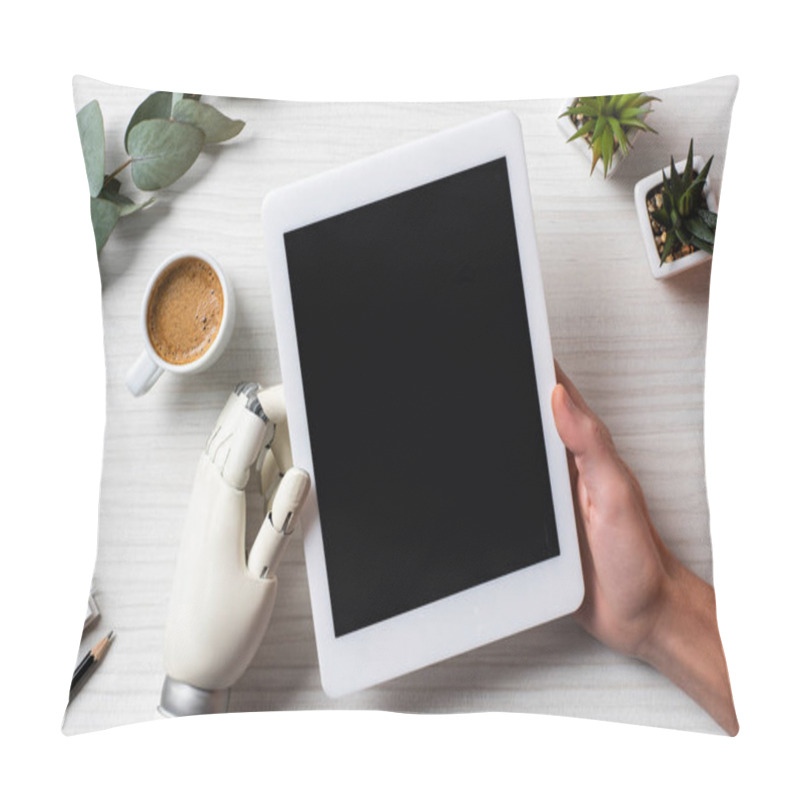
143, 374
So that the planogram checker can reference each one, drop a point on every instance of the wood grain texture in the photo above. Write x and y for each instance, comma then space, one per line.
634, 346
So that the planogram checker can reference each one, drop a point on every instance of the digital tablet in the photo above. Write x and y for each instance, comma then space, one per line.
416, 359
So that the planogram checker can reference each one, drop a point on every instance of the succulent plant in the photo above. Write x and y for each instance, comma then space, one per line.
683, 215
606, 122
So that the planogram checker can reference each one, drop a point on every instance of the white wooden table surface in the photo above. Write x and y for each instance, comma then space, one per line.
634, 346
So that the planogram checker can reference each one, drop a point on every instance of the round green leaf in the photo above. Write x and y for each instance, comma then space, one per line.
104, 217
155, 106
161, 151
216, 126
93, 142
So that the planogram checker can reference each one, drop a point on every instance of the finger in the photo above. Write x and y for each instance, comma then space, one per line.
584, 436
273, 401
270, 474
278, 460
289, 499
238, 437
271, 541
573, 392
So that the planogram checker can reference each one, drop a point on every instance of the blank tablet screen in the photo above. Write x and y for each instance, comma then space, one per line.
423, 414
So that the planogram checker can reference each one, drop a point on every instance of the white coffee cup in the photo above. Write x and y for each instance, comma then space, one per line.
150, 365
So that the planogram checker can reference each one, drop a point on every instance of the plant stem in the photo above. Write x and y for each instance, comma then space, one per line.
117, 170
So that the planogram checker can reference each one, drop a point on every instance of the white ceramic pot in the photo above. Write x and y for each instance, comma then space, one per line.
567, 126
640, 192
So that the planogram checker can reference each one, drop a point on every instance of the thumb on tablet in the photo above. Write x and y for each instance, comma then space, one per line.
583, 434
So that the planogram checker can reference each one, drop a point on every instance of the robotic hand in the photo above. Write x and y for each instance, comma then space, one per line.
221, 604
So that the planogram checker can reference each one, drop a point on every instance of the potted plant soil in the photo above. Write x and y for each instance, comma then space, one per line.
604, 128
677, 215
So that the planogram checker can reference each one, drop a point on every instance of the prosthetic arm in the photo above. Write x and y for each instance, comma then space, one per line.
221, 602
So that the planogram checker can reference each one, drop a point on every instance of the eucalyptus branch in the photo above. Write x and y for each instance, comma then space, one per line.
164, 137
116, 172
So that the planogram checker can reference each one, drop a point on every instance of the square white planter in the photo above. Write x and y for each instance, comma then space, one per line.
640, 192
567, 126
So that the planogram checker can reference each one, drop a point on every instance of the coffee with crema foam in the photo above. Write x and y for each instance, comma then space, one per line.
185, 311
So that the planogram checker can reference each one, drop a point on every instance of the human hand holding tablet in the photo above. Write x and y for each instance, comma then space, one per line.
640, 600
418, 371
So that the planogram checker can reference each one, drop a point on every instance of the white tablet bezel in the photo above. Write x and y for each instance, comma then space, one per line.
502, 606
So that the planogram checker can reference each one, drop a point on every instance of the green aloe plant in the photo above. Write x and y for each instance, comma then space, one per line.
607, 122
164, 137
684, 215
